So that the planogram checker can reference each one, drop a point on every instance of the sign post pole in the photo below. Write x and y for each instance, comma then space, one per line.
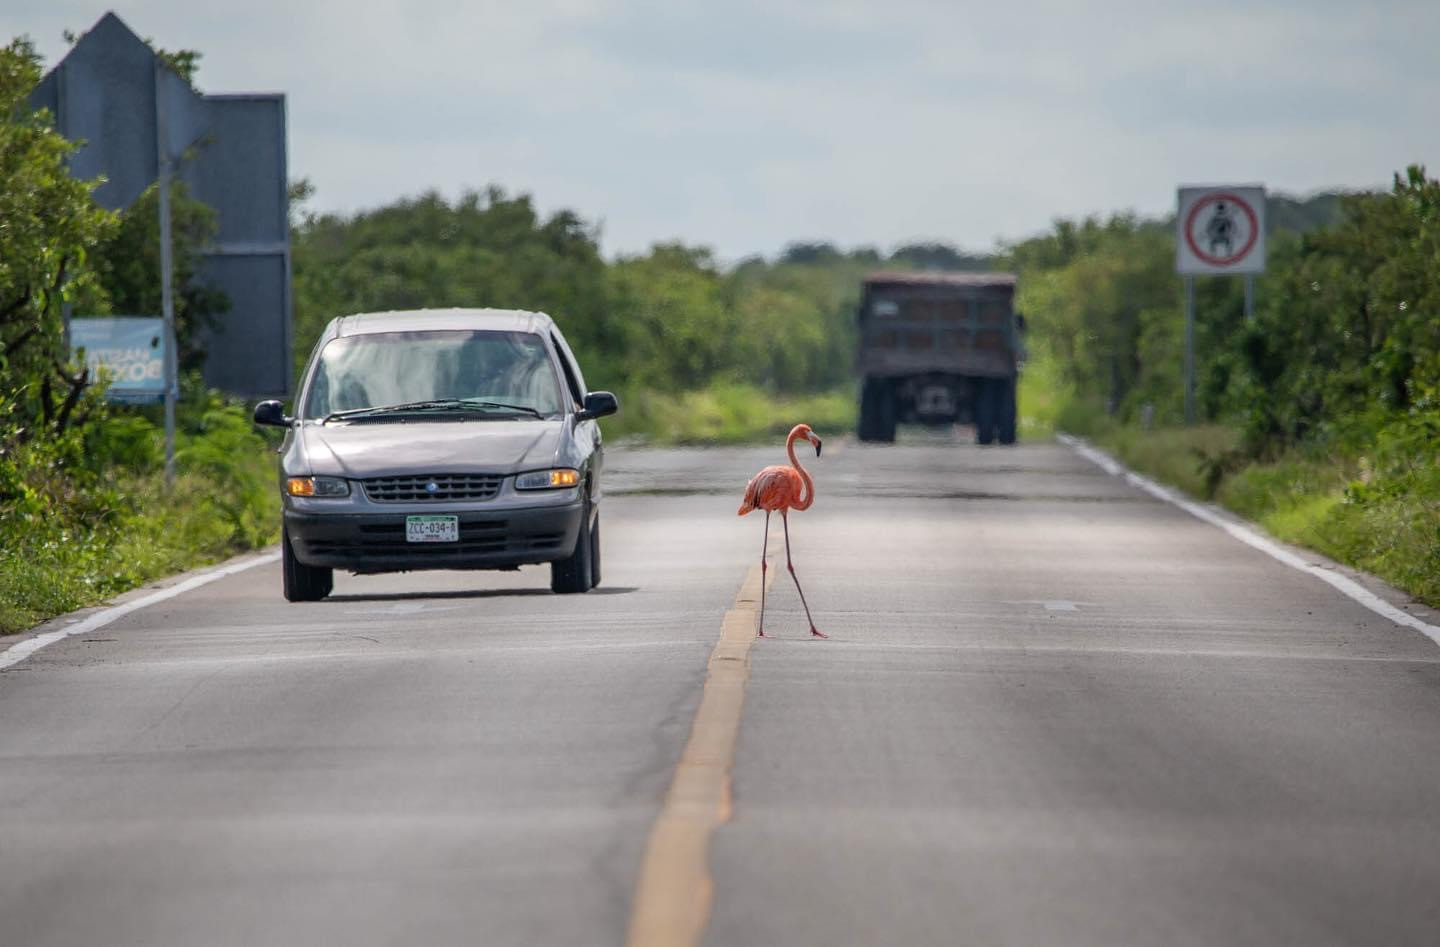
1189, 350
167, 295
1249, 297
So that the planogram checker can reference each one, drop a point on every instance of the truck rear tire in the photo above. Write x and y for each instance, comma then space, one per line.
877, 411
888, 411
986, 409
1005, 420
865, 427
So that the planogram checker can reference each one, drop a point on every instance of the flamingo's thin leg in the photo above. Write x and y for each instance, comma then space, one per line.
791, 566
764, 547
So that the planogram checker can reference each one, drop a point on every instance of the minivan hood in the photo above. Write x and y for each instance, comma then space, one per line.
393, 448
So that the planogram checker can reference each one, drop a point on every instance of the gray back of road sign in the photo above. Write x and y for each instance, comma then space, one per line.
229, 150
103, 93
240, 171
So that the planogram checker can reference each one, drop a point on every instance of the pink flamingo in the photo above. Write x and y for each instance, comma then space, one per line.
784, 489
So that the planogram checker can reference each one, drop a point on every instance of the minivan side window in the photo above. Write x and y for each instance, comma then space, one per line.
572, 376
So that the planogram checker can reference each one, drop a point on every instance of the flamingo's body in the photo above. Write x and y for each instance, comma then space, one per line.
783, 489
778, 488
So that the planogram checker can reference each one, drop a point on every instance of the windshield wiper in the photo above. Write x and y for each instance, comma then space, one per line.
433, 405
502, 406
438, 404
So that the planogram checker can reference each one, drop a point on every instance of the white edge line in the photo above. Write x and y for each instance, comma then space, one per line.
19, 652
1250, 537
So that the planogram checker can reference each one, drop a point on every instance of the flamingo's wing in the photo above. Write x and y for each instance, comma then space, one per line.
770, 489
752, 492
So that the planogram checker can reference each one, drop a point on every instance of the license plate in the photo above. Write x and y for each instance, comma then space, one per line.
432, 529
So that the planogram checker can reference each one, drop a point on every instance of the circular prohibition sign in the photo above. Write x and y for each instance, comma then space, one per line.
1211, 258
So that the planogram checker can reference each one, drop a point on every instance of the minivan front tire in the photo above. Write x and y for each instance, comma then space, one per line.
577, 572
302, 583
595, 553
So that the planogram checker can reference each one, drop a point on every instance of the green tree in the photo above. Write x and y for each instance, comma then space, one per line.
677, 327
1103, 298
49, 228
484, 250
1347, 333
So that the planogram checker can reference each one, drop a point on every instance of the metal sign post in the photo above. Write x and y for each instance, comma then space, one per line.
167, 294
1189, 350
1219, 230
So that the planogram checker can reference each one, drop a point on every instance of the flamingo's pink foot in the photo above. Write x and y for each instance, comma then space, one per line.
761, 634
818, 633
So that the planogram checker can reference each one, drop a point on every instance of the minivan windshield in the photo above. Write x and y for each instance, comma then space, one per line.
380, 369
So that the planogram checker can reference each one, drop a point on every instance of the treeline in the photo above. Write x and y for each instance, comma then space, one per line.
673, 319
1344, 341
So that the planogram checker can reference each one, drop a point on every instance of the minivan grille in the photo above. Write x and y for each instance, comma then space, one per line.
447, 487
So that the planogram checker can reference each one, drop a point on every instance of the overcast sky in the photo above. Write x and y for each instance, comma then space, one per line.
746, 125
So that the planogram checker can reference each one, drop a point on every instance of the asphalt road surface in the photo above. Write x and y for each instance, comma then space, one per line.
1052, 710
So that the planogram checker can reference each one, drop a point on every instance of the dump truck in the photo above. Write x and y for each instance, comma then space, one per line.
939, 348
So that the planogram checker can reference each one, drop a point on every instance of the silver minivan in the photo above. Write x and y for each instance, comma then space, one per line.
440, 439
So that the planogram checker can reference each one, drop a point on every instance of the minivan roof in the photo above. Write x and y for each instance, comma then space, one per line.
431, 320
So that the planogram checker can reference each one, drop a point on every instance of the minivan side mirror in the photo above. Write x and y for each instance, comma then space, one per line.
599, 404
272, 413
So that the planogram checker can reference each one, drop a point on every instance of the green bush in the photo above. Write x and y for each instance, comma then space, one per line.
76, 533
229, 457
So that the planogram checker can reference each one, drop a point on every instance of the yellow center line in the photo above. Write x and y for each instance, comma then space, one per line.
673, 897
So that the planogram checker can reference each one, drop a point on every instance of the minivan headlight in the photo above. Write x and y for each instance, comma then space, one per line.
547, 479
317, 487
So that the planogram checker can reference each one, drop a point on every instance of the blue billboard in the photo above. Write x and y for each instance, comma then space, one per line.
129, 349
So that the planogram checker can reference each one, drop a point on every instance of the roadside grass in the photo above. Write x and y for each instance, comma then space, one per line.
1039, 398
1192, 459
1383, 521
83, 544
60, 567
728, 414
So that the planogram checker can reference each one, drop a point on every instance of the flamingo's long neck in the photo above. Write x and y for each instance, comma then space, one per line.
803, 503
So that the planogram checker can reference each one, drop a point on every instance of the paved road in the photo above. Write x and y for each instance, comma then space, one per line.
1053, 710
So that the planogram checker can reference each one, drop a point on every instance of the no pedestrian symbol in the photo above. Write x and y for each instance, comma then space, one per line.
1220, 230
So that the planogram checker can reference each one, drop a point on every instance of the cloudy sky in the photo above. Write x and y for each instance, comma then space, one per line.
744, 125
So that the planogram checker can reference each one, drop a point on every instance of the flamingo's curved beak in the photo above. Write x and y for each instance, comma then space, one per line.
816, 441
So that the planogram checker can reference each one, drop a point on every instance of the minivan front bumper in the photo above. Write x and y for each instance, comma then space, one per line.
489, 539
